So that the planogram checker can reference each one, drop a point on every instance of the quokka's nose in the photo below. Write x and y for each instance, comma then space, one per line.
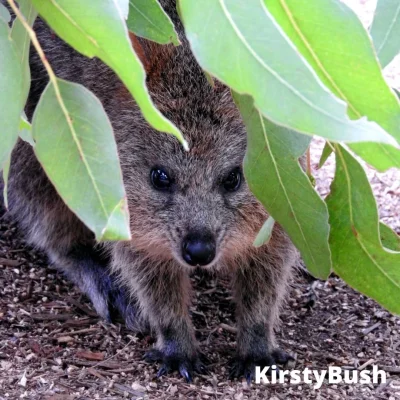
198, 249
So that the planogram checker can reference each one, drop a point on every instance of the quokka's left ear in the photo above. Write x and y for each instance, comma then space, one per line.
153, 56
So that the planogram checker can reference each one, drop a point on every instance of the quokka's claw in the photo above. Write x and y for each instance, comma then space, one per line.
281, 356
184, 364
246, 366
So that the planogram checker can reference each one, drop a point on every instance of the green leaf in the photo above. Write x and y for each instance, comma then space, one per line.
10, 92
389, 238
76, 147
22, 43
335, 62
123, 5
243, 46
25, 131
326, 152
24, 134
96, 28
265, 233
147, 19
6, 172
385, 30
379, 155
275, 177
357, 252
5, 14
209, 78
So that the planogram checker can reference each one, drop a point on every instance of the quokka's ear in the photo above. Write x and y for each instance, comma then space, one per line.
139, 50
153, 56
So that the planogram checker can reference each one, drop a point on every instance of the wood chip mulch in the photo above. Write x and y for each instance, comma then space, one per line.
54, 347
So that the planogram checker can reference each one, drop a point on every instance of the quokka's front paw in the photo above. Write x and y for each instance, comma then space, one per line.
246, 366
175, 361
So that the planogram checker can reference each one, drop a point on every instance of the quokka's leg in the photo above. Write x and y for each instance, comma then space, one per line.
88, 268
260, 285
50, 225
162, 290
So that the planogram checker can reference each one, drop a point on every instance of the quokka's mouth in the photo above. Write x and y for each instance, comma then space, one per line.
209, 265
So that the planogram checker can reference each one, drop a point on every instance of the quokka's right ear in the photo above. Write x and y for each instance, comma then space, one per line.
153, 56
139, 50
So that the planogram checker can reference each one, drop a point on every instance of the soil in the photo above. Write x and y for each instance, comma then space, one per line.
53, 346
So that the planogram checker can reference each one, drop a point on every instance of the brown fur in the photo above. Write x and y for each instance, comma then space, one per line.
149, 282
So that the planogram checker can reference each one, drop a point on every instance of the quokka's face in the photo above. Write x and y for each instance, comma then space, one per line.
194, 207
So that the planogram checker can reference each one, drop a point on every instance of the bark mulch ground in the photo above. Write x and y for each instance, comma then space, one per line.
54, 347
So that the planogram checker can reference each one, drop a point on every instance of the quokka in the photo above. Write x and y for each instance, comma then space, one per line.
188, 209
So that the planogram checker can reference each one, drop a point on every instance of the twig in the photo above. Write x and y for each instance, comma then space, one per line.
95, 373
352, 318
73, 333
111, 357
82, 308
65, 339
228, 328
51, 317
119, 371
102, 364
76, 323
89, 355
210, 291
363, 366
118, 388
10, 263
371, 328
392, 370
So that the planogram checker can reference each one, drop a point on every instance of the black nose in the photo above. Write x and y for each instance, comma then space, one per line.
198, 249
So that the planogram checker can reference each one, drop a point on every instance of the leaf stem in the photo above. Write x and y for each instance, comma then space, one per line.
38, 48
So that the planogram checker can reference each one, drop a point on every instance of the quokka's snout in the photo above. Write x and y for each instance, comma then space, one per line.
198, 248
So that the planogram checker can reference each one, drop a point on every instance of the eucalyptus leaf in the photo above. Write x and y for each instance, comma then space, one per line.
22, 42
389, 238
326, 152
25, 134
25, 131
243, 46
147, 19
276, 178
124, 7
335, 62
264, 236
6, 172
74, 143
385, 30
5, 14
96, 28
357, 252
10, 92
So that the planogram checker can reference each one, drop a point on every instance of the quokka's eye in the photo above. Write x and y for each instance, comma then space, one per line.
160, 179
233, 180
